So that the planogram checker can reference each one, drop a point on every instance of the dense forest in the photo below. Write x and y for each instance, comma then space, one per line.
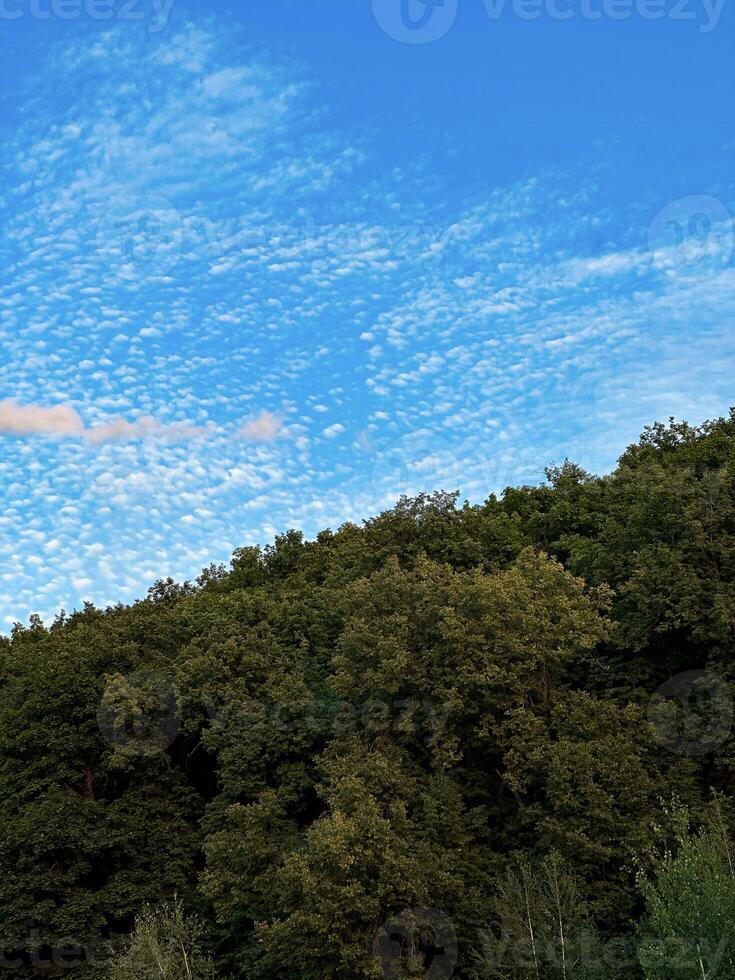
480, 741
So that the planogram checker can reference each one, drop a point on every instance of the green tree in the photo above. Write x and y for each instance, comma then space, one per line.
165, 945
544, 927
688, 929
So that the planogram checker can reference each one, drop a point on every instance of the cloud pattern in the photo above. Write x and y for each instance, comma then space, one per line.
220, 323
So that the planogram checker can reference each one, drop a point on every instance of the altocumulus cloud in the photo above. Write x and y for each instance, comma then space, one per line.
474, 329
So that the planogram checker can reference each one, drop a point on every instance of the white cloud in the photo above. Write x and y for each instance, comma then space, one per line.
496, 308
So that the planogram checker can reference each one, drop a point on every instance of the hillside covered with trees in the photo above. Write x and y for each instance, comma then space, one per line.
459, 740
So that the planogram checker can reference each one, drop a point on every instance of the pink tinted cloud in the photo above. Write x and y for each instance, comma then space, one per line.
24, 420
263, 428
64, 421
119, 430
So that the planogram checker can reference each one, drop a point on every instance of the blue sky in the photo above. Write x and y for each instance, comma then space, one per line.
272, 264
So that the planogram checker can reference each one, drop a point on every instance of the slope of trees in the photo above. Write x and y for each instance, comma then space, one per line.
471, 741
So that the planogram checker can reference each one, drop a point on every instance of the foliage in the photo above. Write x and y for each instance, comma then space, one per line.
164, 946
689, 926
544, 925
385, 751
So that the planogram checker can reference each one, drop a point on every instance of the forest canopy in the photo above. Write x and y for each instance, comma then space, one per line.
461, 740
